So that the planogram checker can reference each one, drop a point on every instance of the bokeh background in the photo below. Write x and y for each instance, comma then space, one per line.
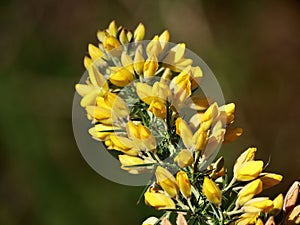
253, 47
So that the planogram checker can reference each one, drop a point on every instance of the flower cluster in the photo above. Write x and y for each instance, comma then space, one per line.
144, 101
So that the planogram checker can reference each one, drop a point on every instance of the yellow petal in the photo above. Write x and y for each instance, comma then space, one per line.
95, 52
184, 184
257, 205
183, 130
123, 144
150, 67
110, 43
199, 139
154, 47
184, 158
139, 60
139, 32
112, 28
122, 77
123, 37
211, 191
158, 108
127, 62
249, 170
167, 181
164, 39
249, 191
144, 91
83, 89
127, 161
159, 201
277, 205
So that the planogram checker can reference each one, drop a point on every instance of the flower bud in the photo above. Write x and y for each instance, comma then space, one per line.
139, 32
184, 184
249, 191
150, 67
159, 201
110, 43
211, 191
184, 158
278, 203
249, 170
139, 60
167, 181
158, 108
121, 77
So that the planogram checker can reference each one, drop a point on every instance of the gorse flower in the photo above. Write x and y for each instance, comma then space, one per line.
145, 104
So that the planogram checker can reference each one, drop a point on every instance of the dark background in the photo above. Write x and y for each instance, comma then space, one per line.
253, 47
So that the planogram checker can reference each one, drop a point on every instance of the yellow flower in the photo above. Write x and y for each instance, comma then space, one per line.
247, 219
102, 131
278, 204
257, 205
150, 221
192, 141
128, 162
184, 158
249, 170
110, 43
150, 67
158, 200
270, 179
96, 86
184, 184
141, 136
123, 144
167, 181
121, 76
158, 108
249, 191
211, 191
181, 87
245, 167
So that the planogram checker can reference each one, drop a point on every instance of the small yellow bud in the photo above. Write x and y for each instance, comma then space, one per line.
247, 219
159, 201
150, 67
112, 28
184, 158
249, 191
154, 47
184, 184
164, 38
123, 37
101, 131
167, 181
211, 191
257, 205
139, 60
270, 179
139, 32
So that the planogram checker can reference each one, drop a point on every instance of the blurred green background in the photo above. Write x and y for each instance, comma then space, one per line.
253, 47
